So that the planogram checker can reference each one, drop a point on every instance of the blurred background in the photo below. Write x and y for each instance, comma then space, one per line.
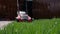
42, 9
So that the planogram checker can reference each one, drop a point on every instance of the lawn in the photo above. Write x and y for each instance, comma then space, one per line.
40, 26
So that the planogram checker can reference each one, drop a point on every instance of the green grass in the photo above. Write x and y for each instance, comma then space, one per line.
41, 26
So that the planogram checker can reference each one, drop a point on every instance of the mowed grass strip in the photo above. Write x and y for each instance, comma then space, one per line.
40, 26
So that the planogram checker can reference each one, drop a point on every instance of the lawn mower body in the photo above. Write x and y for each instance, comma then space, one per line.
22, 16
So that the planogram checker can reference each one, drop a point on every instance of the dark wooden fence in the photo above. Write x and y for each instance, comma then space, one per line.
46, 9
40, 10
8, 9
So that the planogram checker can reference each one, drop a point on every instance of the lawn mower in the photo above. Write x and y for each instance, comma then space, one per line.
23, 16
